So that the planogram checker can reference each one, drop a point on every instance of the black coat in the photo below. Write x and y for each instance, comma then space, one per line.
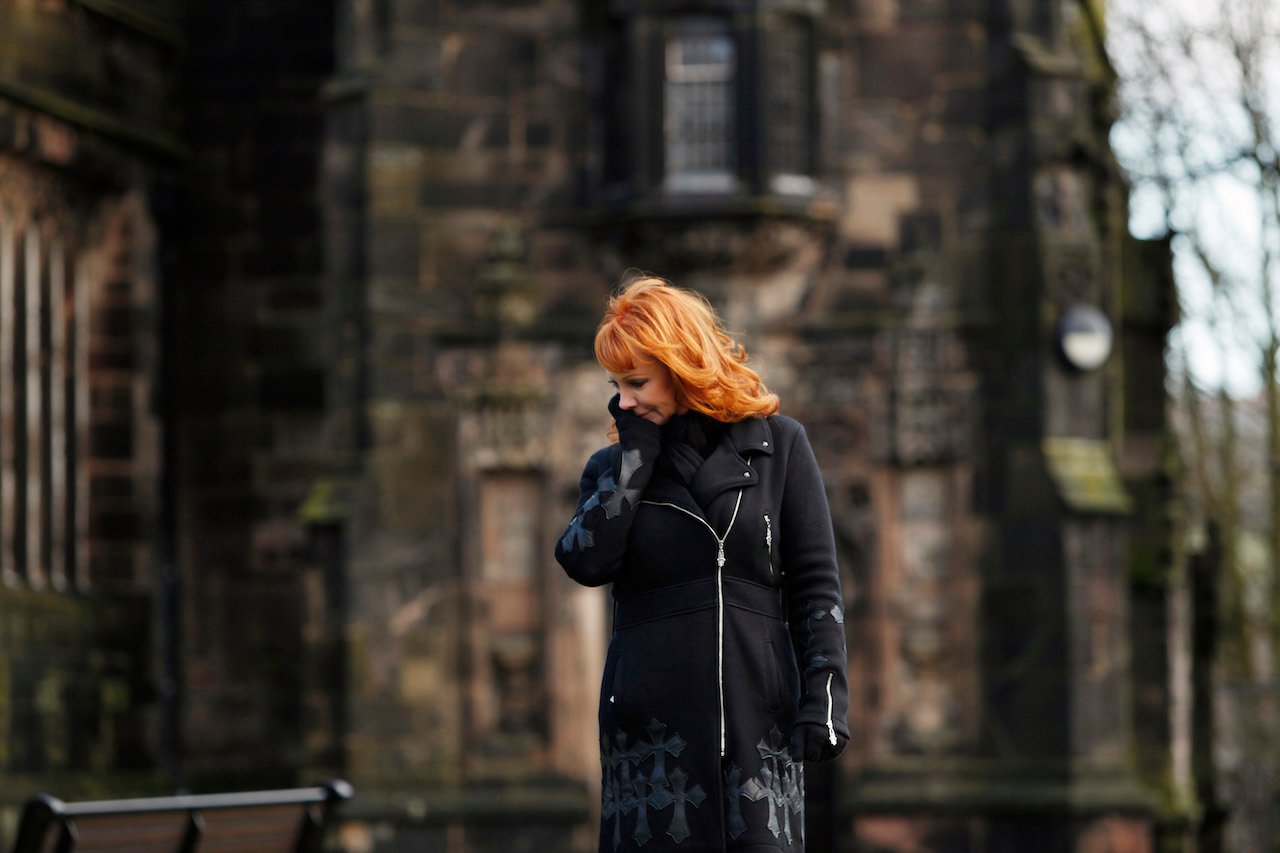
728, 636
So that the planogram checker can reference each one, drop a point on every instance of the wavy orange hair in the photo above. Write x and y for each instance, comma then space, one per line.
650, 320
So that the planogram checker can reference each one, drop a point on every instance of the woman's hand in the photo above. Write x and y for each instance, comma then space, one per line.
811, 743
592, 547
633, 430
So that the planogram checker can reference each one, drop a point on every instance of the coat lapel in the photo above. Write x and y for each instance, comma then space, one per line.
726, 468
665, 490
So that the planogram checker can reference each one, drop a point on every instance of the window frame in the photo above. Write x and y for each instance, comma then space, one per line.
44, 400
680, 31
633, 114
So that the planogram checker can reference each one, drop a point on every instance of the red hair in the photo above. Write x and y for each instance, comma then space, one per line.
650, 320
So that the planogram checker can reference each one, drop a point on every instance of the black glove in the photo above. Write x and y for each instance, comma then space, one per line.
634, 431
811, 742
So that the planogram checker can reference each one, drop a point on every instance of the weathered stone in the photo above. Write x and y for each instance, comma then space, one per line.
346, 306
875, 203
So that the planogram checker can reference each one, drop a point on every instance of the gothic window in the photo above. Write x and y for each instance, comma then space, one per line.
701, 103
509, 717
42, 378
699, 127
789, 124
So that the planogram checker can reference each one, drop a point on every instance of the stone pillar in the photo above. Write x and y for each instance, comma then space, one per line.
1056, 659
1013, 729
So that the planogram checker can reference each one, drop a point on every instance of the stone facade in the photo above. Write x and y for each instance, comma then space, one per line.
87, 155
255, 343
385, 242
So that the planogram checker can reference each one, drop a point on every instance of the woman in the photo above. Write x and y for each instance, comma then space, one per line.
727, 665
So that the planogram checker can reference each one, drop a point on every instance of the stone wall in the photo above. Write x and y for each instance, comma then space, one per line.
78, 703
384, 247
86, 145
453, 136
255, 344
906, 316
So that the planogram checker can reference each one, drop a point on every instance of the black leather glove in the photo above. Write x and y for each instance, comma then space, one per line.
811, 743
634, 431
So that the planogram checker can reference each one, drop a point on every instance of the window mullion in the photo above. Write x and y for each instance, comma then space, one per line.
649, 50
36, 291
78, 420
752, 141
9, 505
59, 576
788, 97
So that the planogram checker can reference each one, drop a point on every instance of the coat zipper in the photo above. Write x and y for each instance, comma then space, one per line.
719, 599
831, 729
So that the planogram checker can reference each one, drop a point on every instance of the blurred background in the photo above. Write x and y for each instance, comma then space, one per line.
296, 309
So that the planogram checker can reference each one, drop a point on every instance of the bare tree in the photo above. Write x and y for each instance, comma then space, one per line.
1199, 136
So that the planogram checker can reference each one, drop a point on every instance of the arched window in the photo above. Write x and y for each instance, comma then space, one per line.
703, 104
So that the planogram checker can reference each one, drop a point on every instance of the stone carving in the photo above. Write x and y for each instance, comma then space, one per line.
1072, 271
503, 426
769, 247
929, 396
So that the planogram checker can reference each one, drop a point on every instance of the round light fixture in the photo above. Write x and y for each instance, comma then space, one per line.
1084, 337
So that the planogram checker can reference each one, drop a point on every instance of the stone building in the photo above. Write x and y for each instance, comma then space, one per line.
297, 308
88, 146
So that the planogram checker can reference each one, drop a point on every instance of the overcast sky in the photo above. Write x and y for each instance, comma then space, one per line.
1204, 91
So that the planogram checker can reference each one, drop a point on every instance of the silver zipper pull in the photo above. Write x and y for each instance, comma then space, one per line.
720, 555
831, 729
768, 533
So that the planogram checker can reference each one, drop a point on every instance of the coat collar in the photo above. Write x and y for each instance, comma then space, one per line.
728, 465
751, 435
724, 470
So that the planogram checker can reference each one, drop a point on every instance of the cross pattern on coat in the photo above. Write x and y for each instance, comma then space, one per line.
816, 614
733, 790
631, 463
626, 792
781, 782
578, 537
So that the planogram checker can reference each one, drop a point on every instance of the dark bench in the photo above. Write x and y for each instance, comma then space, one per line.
286, 821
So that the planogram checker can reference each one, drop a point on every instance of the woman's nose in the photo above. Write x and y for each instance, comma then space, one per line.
626, 401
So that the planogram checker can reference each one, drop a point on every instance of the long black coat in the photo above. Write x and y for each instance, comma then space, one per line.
728, 632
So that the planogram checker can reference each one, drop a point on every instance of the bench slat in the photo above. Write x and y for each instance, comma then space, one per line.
249, 822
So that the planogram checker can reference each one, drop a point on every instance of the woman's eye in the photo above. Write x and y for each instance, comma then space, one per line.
636, 384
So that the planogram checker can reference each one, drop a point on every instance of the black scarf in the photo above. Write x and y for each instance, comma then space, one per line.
687, 440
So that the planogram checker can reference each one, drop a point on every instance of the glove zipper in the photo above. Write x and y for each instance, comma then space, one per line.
831, 729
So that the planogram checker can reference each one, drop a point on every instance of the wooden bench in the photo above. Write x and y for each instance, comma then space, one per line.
285, 821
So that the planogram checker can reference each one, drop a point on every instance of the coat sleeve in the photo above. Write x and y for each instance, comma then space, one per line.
592, 546
816, 608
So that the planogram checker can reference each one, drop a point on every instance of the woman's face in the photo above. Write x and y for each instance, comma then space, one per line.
648, 391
